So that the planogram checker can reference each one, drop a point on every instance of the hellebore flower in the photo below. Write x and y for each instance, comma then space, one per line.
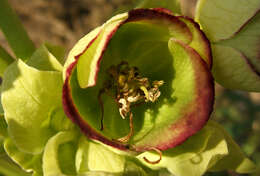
137, 84
156, 46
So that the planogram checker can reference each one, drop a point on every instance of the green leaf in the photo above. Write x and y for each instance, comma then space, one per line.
247, 41
5, 60
8, 168
133, 168
134, 173
234, 29
92, 156
232, 69
14, 32
173, 5
99, 173
27, 161
43, 60
57, 51
236, 159
2, 151
222, 19
29, 96
58, 121
59, 154
1, 106
257, 172
97, 159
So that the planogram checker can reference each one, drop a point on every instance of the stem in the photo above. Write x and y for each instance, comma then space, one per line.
5, 60
14, 32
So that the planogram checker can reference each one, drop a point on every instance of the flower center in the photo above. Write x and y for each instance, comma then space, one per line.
129, 89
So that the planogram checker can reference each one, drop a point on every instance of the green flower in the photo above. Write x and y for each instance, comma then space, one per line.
147, 64
161, 47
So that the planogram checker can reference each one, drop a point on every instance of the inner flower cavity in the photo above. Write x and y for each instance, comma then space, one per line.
128, 89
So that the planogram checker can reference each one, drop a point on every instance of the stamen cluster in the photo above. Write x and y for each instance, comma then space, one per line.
128, 88
131, 88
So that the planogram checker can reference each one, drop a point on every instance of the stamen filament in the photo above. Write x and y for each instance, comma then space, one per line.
131, 132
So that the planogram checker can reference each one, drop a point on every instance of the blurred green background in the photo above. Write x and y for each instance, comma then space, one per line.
63, 22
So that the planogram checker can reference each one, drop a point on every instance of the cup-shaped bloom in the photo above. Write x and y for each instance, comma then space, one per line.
147, 66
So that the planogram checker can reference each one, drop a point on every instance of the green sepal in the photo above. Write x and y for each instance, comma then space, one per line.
86, 68
199, 41
79, 48
28, 98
